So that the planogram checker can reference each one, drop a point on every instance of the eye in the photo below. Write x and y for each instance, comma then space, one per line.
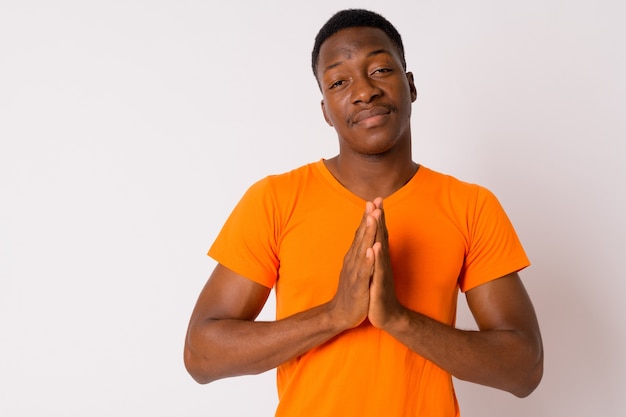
336, 84
381, 70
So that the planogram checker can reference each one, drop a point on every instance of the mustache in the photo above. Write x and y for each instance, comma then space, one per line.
388, 107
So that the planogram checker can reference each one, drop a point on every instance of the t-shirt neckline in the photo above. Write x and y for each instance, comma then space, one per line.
339, 188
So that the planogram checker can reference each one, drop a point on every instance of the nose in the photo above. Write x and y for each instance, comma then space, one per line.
364, 89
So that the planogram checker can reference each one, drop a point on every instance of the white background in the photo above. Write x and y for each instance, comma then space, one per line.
129, 129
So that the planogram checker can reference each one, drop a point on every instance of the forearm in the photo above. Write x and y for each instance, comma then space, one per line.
510, 360
224, 340
217, 349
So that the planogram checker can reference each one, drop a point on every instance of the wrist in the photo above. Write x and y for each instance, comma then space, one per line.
396, 319
334, 319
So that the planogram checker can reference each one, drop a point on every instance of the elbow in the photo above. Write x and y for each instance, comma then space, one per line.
527, 388
197, 367
531, 379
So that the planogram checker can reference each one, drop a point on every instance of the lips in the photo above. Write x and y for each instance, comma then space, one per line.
371, 112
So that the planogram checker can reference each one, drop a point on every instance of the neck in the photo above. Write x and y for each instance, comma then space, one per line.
371, 176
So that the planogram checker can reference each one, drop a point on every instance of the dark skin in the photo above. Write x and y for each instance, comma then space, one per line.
367, 98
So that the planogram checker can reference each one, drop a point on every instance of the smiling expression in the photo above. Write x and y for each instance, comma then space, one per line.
367, 94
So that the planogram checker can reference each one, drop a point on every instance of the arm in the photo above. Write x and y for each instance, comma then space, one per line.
224, 340
505, 353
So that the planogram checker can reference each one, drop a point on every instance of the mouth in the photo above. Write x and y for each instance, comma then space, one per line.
372, 113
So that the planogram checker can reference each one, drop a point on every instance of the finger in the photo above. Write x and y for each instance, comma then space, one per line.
381, 231
382, 234
379, 260
367, 237
364, 236
361, 230
366, 269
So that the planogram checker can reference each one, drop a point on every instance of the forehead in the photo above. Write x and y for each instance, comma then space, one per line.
347, 43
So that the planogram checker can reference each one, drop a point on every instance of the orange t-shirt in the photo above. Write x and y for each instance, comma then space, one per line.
292, 231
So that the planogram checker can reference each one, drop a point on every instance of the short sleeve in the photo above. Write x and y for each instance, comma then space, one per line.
246, 243
494, 247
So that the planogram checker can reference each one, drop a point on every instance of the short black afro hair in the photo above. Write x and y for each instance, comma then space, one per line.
350, 18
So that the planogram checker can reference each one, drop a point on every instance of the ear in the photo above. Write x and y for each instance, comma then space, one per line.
330, 123
409, 77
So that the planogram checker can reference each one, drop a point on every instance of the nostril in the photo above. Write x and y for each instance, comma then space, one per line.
365, 92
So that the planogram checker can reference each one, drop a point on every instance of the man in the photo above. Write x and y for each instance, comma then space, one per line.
365, 320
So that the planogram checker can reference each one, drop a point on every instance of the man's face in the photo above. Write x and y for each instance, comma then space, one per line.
366, 93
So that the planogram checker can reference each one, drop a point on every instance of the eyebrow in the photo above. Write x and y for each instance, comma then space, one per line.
369, 55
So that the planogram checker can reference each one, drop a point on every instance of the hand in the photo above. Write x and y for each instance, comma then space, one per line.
383, 303
350, 304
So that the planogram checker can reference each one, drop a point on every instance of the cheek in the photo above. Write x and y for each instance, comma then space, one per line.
333, 113
326, 114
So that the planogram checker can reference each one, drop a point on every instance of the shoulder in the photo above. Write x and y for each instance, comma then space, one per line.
466, 199
288, 179
279, 190
453, 186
